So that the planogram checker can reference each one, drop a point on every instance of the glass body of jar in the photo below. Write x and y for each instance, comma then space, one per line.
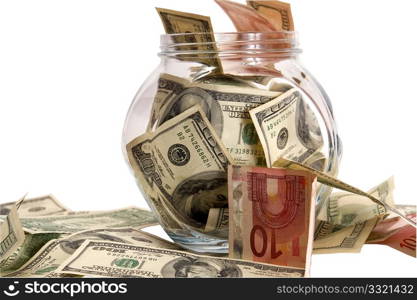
225, 79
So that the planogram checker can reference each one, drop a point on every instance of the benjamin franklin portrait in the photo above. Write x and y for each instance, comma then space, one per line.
189, 267
195, 96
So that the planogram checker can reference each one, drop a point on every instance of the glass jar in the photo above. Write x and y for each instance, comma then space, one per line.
226, 79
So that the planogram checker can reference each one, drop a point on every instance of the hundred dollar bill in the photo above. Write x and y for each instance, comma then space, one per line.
245, 18
285, 130
39, 206
11, 233
318, 161
346, 209
54, 253
197, 31
128, 217
271, 215
218, 222
227, 109
330, 238
110, 259
276, 12
31, 245
185, 163
336, 183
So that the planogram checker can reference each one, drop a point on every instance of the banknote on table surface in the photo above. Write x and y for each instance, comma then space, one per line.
31, 245
225, 106
330, 238
185, 163
45, 262
111, 259
39, 206
287, 128
276, 12
128, 217
198, 31
271, 215
11, 233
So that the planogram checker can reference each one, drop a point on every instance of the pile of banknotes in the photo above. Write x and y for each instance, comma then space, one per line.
39, 237
234, 157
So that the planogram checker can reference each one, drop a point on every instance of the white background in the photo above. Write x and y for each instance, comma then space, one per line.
69, 70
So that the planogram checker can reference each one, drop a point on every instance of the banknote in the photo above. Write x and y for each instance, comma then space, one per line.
185, 163
287, 128
276, 12
128, 217
197, 35
11, 232
218, 222
110, 259
336, 183
387, 227
402, 239
330, 238
226, 107
39, 206
405, 209
245, 18
54, 253
348, 209
318, 161
271, 215
31, 245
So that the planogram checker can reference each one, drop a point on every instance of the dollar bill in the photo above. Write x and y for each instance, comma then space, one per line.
276, 12
45, 262
218, 222
39, 206
346, 209
185, 163
110, 259
226, 107
330, 238
286, 129
336, 183
318, 161
31, 245
197, 35
128, 217
405, 209
11, 233
271, 215
245, 18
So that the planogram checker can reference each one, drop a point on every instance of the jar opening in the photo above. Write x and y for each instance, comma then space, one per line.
230, 43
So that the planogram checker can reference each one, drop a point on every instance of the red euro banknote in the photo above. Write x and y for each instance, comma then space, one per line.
271, 215
397, 234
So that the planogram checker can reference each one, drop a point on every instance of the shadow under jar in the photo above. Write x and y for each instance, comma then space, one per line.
191, 118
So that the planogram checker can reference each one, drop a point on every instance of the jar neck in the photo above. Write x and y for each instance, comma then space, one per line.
231, 46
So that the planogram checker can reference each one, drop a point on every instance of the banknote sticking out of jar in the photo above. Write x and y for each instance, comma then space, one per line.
215, 100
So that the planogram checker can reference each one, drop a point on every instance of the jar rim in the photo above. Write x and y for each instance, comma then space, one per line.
227, 42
